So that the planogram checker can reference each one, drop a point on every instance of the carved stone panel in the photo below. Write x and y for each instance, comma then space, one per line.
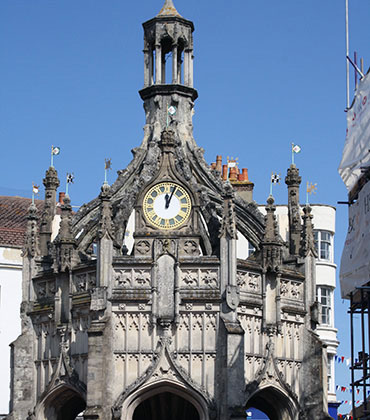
199, 278
132, 278
189, 247
84, 281
143, 248
45, 289
292, 290
249, 282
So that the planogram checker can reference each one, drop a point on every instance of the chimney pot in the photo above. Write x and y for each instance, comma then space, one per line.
245, 174
224, 172
233, 174
219, 163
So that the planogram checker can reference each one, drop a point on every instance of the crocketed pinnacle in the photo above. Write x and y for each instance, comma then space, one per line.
168, 9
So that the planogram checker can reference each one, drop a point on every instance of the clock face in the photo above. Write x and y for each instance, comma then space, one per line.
167, 205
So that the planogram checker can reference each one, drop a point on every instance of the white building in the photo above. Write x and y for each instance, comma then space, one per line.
13, 219
324, 230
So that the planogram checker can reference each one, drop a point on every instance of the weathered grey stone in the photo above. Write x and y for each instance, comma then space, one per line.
178, 321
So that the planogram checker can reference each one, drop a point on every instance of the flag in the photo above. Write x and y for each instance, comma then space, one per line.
296, 148
312, 188
108, 164
70, 178
172, 110
275, 178
55, 150
35, 188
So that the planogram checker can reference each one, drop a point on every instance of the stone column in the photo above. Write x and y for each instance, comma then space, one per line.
150, 57
293, 181
146, 68
174, 65
158, 64
191, 68
186, 68
105, 239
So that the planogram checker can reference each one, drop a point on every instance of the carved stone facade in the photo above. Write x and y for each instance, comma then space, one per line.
178, 327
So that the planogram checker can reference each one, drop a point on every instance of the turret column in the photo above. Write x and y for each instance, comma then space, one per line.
293, 181
186, 67
158, 64
147, 66
51, 183
174, 65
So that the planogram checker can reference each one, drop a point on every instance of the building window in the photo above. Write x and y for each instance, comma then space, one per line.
324, 245
251, 249
329, 368
324, 296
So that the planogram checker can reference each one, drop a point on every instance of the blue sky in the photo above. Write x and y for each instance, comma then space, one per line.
268, 73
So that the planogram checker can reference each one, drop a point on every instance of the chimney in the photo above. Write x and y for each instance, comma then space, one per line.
233, 176
224, 172
219, 163
241, 184
61, 197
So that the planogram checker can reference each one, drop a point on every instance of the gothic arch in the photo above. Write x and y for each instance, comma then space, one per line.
164, 387
64, 402
274, 403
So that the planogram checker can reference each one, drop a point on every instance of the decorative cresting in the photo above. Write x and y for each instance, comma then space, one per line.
164, 372
293, 181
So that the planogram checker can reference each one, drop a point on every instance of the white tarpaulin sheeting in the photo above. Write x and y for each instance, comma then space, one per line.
355, 261
357, 145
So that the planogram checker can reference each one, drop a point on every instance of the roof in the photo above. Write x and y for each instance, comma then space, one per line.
168, 9
13, 219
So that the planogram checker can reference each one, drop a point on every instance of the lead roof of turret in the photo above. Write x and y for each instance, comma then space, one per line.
168, 9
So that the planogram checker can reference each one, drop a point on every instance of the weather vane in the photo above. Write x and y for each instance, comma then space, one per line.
295, 149
311, 189
35, 191
54, 152
69, 180
107, 167
275, 179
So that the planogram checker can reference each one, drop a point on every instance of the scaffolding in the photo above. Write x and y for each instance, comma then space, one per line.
360, 366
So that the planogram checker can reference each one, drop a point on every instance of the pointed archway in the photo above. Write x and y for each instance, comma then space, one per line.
64, 403
165, 406
273, 403
165, 401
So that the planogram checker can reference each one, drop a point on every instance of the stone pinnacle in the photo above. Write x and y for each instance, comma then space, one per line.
168, 9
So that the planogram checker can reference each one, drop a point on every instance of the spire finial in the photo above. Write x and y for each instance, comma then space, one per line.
169, 9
